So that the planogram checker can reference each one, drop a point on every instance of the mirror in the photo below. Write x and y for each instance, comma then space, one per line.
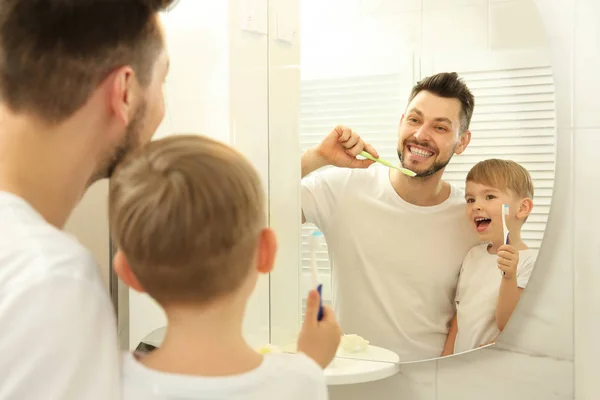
400, 257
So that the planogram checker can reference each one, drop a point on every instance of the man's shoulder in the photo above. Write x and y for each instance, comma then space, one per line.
40, 252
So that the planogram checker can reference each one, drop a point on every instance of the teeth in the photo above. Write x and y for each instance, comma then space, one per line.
479, 219
420, 152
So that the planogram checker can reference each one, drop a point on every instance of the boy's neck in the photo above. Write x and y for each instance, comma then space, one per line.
204, 342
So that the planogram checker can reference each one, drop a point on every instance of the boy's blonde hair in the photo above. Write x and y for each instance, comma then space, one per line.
503, 175
187, 212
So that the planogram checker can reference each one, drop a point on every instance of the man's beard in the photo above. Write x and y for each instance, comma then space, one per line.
437, 166
131, 142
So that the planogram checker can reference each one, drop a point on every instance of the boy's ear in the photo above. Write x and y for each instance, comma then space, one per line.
267, 249
525, 207
123, 271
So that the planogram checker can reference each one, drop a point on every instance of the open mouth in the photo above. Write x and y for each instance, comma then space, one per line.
482, 223
419, 152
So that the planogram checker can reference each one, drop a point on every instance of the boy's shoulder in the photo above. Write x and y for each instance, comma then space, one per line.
298, 365
292, 376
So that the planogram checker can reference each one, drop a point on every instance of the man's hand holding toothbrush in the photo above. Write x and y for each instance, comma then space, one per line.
319, 339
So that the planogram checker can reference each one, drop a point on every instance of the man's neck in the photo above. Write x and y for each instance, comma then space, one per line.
424, 192
43, 168
204, 342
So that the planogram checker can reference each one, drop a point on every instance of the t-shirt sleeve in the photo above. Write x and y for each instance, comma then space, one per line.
524, 269
57, 342
320, 194
464, 266
315, 385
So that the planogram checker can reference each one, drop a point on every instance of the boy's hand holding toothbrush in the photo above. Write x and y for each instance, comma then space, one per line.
319, 339
508, 256
508, 259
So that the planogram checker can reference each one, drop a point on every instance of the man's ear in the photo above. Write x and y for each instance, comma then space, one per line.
463, 141
123, 271
120, 87
267, 250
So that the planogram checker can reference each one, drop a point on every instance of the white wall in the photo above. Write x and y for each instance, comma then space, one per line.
350, 37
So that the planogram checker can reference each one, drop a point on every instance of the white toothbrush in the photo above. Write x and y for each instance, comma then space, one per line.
504, 227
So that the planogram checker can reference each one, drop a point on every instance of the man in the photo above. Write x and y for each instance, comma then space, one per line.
80, 88
396, 243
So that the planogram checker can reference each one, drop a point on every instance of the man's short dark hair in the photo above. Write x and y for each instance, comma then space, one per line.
449, 85
54, 53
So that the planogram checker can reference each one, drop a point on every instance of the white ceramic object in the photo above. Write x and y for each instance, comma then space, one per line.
372, 364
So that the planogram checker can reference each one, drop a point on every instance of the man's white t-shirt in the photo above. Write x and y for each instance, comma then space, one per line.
58, 337
477, 295
280, 376
395, 265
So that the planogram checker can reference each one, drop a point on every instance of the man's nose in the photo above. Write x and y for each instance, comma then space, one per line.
422, 133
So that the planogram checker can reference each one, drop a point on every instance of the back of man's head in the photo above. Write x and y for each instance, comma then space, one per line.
54, 53
187, 212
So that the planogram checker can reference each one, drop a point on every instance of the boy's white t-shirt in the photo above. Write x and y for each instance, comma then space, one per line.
395, 265
477, 295
59, 337
280, 376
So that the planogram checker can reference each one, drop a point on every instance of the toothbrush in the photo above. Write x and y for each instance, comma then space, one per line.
504, 227
388, 164
313, 269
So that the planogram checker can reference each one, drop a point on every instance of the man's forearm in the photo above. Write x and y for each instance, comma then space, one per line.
311, 162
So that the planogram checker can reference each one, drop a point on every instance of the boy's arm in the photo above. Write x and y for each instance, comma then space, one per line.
508, 298
510, 292
449, 346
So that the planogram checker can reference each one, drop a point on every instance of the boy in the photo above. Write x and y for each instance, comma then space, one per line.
188, 216
493, 274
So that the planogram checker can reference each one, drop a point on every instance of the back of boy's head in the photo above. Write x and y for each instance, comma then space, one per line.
187, 213
504, 175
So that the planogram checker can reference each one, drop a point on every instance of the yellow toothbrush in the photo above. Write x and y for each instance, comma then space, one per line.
388, 164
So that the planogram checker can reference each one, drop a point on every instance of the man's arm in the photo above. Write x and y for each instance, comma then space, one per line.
449, 346
339, 148
311, 161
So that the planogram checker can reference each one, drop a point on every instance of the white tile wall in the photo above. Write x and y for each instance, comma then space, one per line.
444, 29
508, 21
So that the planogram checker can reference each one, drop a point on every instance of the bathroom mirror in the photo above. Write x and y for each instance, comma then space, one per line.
396, 273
